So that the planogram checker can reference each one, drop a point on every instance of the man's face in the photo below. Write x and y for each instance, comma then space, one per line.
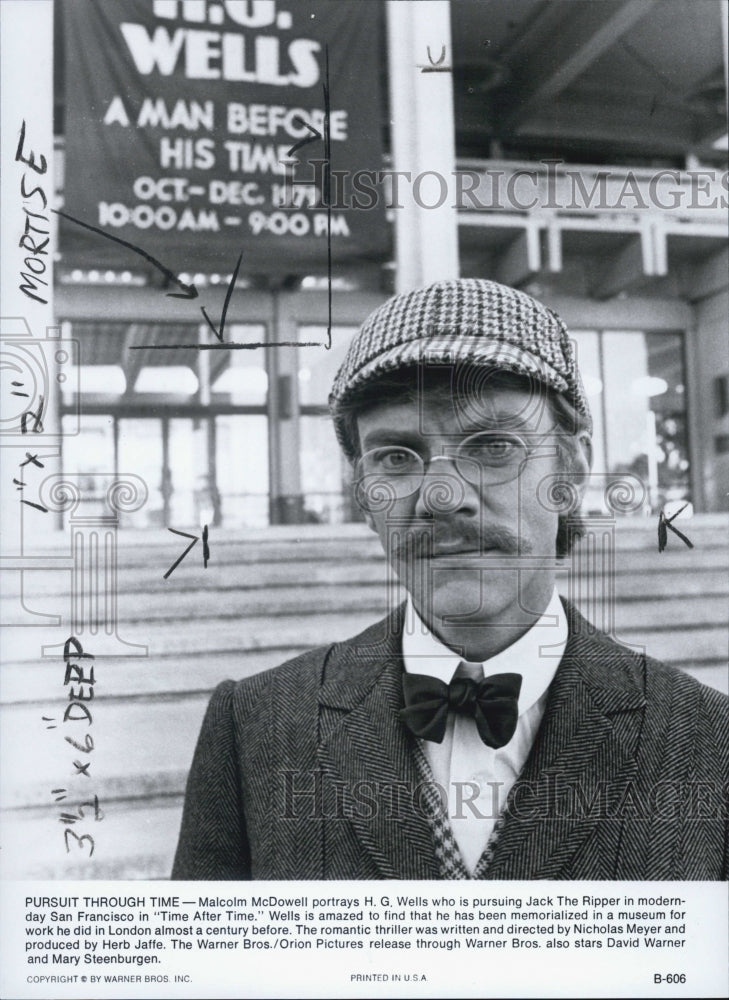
464, 543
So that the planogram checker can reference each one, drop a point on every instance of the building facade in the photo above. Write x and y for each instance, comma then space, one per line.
575, 150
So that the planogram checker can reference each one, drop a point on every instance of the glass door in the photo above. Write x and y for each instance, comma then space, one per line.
191, 500
241, 461
141, 453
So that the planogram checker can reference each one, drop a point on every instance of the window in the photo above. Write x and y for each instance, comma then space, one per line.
324, 470
635, 383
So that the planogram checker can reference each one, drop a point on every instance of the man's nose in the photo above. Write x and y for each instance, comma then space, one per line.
444, 490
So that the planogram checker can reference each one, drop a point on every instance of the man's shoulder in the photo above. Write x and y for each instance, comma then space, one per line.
684, 689
298, 673
660, 682
303, 674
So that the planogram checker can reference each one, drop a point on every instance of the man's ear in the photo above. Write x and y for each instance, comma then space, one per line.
585, 441
369, 520
582, 462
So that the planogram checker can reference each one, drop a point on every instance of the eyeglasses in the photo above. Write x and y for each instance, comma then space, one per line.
486, 458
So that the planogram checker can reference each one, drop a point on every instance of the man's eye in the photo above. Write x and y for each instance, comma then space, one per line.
395, 460
495, 448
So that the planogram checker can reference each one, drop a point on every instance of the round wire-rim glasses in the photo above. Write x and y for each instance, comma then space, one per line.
486, 458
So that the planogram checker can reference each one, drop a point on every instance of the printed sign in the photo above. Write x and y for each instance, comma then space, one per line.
203, 129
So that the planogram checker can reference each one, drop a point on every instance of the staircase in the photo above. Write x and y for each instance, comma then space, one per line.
264, 597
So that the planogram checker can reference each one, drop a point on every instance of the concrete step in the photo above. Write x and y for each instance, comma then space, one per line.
155, 677
188, 607
135, 840
187, 676
677, 642
669, 571
142, 749
176, 666
287, 542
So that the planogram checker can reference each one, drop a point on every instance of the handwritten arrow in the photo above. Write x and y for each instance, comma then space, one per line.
307, 139
664, 523
440, 58
187, 291
206, 547
193, 543
226, 302
437, 66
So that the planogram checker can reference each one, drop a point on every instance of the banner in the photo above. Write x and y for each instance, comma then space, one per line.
198, 130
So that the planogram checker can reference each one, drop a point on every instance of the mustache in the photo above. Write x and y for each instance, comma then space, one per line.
423, 540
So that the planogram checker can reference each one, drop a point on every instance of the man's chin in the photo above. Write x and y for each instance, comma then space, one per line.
453, 603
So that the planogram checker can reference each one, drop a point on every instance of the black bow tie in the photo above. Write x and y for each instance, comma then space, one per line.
492, 702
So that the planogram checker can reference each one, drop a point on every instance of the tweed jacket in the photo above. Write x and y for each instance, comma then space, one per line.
306, 772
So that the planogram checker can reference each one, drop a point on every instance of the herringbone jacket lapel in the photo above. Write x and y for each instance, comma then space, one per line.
582, 766
364, 747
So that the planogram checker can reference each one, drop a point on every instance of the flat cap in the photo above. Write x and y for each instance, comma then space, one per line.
467, 321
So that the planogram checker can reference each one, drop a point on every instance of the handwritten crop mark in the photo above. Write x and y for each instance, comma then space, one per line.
254, 345
20, 484
85, 747
315, 135
193, 543
186, 292
437, 66
37, 506
37, 427
665, 523
206, 547
219, 333
69, 818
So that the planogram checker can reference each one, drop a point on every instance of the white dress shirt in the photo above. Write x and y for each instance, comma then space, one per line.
476, 778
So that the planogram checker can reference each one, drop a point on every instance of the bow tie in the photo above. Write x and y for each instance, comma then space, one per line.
492, 703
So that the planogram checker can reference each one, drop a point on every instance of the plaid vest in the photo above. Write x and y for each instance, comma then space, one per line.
447, 852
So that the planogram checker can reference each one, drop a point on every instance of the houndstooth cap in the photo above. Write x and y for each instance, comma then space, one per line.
468, 320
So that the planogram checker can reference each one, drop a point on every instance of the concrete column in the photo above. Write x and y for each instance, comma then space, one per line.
423, 141
286, 503
213, 502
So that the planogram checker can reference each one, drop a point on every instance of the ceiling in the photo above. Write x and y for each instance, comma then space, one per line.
639, 81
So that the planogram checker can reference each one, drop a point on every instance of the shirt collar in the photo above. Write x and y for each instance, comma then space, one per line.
535, 655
